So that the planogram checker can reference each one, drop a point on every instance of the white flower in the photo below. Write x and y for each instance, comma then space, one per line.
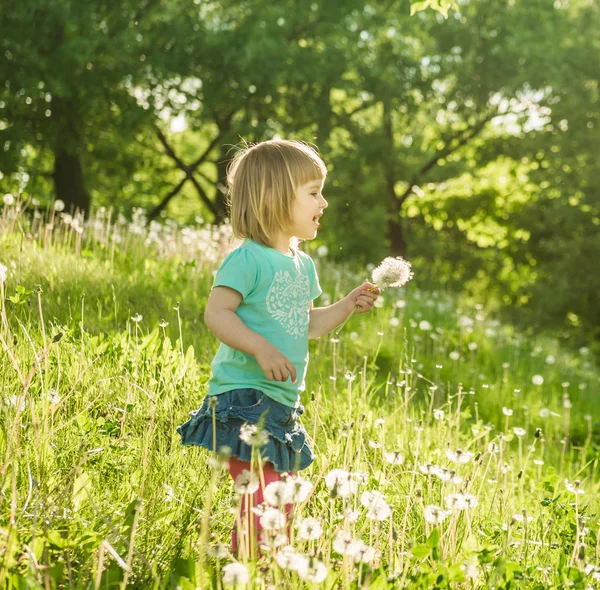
538, 461
425, 326
435, 514
472, 346
288, 558
461, 501
322, 251
429, 469
394, 458
493, 448
8, 199
309, 528
519, 431
349, 376
438, 414
312, 570
537, 380
550, 359
278, 493
363, 552
353, 335
574, 487
218, 550
3, 274
392, 272
246, 482
394, 322
507, 411
137, 318
344, 544
459, 456
340, 482
53, 396
584, 351
273, 539
251, 435
59, 205
235, 574
454, 355
299, 488
272, 519
522, 517
377, 507
400, 304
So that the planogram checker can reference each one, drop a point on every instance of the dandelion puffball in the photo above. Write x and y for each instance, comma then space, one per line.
392, 272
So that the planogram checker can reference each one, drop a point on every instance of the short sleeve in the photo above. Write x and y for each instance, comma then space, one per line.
239, 271
315, 287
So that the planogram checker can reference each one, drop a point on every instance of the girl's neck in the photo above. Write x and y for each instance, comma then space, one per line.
282, 243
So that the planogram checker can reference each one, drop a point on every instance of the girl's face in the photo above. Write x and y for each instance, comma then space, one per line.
307, 210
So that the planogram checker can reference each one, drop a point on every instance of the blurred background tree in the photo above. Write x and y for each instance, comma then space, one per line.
464, 136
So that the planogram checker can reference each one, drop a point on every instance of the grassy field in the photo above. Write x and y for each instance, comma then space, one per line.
452, 452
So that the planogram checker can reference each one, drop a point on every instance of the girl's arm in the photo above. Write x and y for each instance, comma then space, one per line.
325, 319
225, 324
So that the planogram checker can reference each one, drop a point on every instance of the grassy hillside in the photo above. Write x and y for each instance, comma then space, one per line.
104, 353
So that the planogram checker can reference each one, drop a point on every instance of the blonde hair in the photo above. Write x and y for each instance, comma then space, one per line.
263, 179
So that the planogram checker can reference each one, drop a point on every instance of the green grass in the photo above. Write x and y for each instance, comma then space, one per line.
97, 491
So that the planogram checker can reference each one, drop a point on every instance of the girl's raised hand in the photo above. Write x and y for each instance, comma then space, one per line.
362, 299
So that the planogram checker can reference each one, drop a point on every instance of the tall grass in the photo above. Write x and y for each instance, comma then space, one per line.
482, 443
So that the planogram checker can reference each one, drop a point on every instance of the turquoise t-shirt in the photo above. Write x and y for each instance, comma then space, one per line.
277, 290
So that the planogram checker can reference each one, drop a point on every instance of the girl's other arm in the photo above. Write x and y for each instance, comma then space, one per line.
325, 319
225, 324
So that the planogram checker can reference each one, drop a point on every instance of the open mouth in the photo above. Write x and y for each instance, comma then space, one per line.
316, 219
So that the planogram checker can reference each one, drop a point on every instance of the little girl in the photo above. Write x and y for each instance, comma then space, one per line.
261, 309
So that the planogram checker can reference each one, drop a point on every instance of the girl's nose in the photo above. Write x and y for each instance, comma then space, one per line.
324, 204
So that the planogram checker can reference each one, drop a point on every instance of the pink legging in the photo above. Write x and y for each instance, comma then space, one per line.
236, 466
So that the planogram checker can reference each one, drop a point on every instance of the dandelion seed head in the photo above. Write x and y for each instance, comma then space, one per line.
309, 528
519, 431
438, 414
235, 574
272, 519
253, 436
507, 411
454, 355
392, 272
435, 514
312, 570
246, 482
537, 380
278, 493
394, 458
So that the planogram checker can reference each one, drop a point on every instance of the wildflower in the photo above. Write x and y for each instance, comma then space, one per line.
350, 376
435, 514
137, 318
288, 558
438, 414
537, 380
253, 436
218, 550
425, 326
3, 274
377, 507
507, 411
538, 461
472, 346
400, 304
344, 544
59, 205
519, 431
53, 396
584, 351
522, 517
235, 574
163, 324
493, 448
363, 552
340, 483
574, 487
550, 359
299, 488
322, 251
273, 539
392, 272
246, 482
312, 570
429, 469
272, 519
8, 199
394, 322
454, 355
353, 335
309, 529
278, 493
461, 501
459, 456
379, 422
394, 458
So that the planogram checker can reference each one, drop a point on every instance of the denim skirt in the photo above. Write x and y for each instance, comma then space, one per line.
287, 446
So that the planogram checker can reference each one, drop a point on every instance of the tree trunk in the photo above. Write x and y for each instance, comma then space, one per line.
221, 193
395, 234
68, 181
